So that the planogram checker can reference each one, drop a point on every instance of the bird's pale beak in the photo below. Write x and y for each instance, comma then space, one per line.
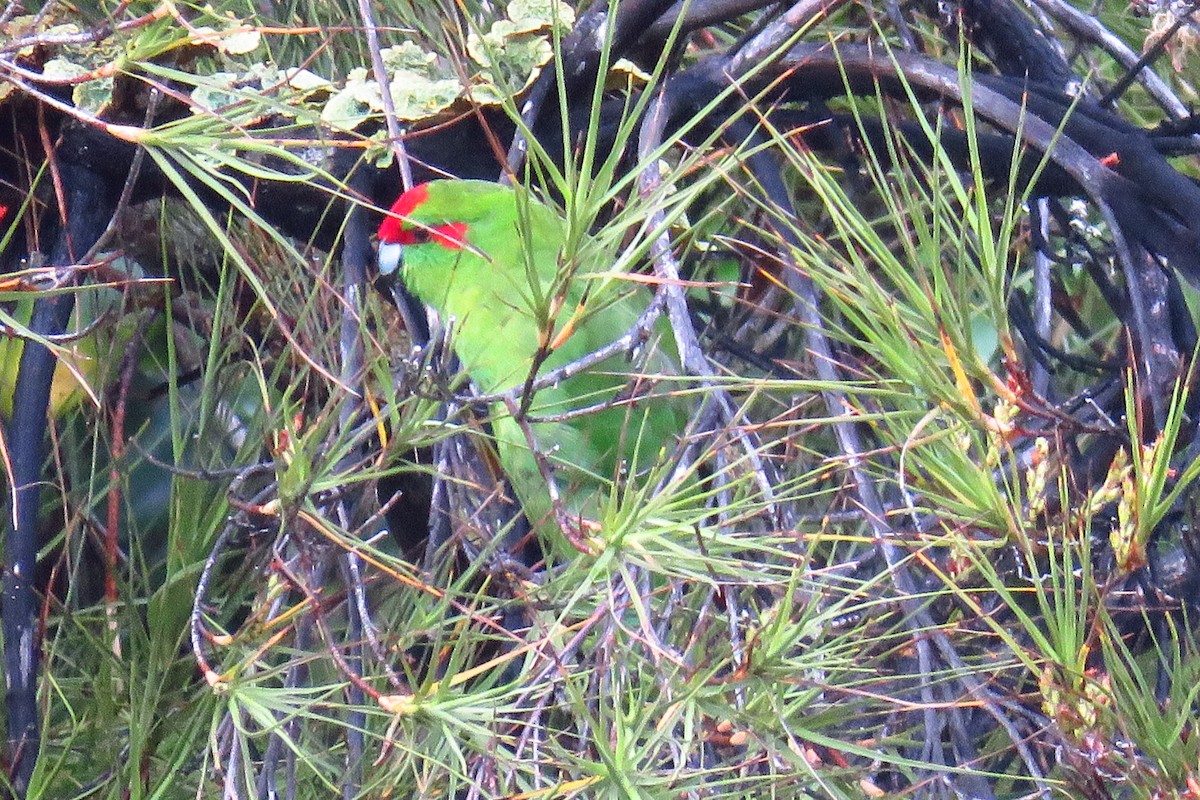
389, 257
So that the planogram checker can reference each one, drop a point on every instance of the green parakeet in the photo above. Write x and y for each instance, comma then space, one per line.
493, 260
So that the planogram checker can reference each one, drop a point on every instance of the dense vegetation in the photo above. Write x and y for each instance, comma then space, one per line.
930, 273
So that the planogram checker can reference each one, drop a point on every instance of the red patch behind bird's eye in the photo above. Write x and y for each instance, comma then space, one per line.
395, 230
452, 235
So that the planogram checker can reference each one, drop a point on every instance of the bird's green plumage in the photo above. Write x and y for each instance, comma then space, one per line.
490, 258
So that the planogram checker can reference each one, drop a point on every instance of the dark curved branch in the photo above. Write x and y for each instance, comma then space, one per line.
580, 57
1150, 208
700, 14
1015, 46
89, 202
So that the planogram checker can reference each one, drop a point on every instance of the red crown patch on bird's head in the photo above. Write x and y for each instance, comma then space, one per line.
395, 229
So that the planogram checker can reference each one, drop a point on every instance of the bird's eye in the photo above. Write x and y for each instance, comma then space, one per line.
420, 235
